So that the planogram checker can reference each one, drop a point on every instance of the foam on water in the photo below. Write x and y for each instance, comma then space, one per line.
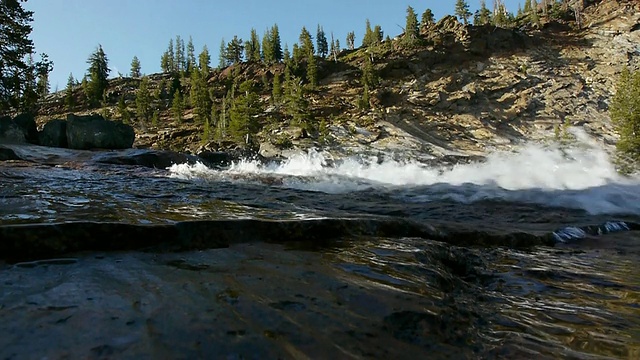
579, 177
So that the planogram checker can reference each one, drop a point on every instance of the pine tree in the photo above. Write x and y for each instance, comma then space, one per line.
483, 16
534, 13
204, 60
306, 42
369, 75
351, 40
296, 105
125, 116
177, 107
200, 99
135, 67
69, 100
364, 101
312, 71
276, 93
276, 43
191, 56
165, 62
180, 58
427, 18
97, 75
234, 51
321, 42
252, 47
222, 56
246, 106
171, 57
412, 28
625, 116
15, 45
143, 101
368, 39
462, 11
42, 69
378, 34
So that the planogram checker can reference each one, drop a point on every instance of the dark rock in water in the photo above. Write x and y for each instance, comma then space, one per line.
216, 158
10, 131
146, 158
27, 123
8, 154
54, 134
95, 132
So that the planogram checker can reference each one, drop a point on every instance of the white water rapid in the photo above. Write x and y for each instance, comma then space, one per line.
581, 177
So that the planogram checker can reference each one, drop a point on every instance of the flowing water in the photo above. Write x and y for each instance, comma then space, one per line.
531, 253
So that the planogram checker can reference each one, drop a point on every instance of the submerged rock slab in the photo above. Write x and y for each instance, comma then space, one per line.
30, 241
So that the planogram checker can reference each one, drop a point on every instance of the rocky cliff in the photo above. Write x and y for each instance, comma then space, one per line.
465, 91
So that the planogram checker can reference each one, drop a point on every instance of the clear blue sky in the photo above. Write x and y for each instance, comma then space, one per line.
70, 30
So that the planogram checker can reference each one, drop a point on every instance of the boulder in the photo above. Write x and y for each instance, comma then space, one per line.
27, 123
54, 134
95, 132
10, 131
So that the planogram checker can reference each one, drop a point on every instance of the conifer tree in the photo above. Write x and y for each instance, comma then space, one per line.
191, 56
246, 106
333, 51
252, 47
534, 13
625, 116
412, 28
276, 43
427, 18
296, 105
135, 67
312, 71
177, 106
42, 71
462, 11
200, 99
306, 43
125, 116
268, 55
483, 15
165, 65
69, 100
171, 57
222, 55
97, 75
351, 40
378, 34
204, 60
143, 101
234, 51
368, 39
276, 93
321, 42
180, 58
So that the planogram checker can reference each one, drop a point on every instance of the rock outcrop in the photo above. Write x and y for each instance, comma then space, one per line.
95, 132
54, 134
10, 131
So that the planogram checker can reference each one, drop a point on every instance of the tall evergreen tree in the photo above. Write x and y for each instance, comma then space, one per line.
143, 101
200, 99
462, 11
351, 40
427, 18
222, 55
483, 15
535, 19
42, 69
252, 47
171, 57
135, 67
378, 34
321, 42
234, 51
368, 39
306, 42
412, 29
276, 93
191, 56
268, 55
312, 71
204, 60
276, 43
180, 59
246, 106
98, 74
69, 100
177, 106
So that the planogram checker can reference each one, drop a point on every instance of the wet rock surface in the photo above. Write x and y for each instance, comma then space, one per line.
106, 254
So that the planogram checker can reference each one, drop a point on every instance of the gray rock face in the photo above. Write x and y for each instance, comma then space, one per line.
27, 123
54, 134
10, 131
95, 132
